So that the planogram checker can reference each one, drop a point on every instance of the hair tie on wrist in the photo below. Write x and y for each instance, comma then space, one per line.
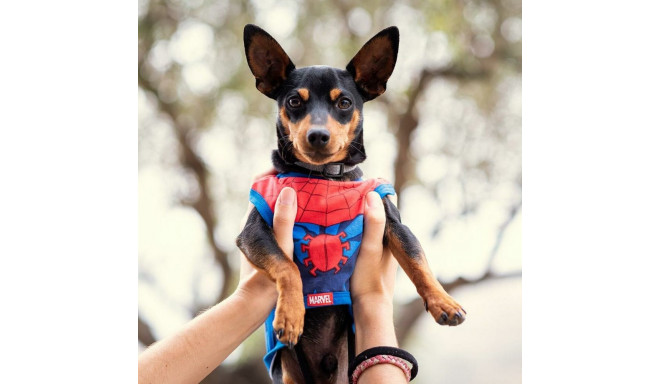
380, 355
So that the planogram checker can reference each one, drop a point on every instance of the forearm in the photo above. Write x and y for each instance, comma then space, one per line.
374, 324
374, 327
191, 354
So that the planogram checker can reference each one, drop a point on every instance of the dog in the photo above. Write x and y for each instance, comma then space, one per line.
320, 144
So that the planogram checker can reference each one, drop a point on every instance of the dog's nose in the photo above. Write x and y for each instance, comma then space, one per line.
318, 137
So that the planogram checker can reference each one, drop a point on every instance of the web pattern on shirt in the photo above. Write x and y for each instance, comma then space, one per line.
325, 202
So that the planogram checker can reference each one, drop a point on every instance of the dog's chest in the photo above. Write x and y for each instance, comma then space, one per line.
328, 229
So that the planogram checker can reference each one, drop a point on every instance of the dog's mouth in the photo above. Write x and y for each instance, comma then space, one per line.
319, 157
334, 151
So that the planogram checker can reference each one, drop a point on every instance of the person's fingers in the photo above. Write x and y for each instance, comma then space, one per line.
374, 227
283, 219
390, 264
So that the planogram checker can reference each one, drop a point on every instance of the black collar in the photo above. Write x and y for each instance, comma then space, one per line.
336, 171
330, 170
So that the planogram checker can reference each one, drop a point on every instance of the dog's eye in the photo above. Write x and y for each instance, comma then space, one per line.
295, 102
344, 103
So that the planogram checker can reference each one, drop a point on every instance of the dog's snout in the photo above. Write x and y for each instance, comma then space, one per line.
318, 137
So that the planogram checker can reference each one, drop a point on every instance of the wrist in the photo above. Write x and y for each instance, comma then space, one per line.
385, 373
373, 299
374, 310
374, 322
257, 289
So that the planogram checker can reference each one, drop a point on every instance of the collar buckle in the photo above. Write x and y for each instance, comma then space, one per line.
333, 170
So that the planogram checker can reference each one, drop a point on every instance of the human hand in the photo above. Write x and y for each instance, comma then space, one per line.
283, 218
375, 268
372, 291
193, 352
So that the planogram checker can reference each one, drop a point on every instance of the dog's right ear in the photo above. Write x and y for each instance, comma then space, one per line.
268, 62
373, 64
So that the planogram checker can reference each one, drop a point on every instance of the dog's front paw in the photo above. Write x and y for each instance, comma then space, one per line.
289, 319
444, 309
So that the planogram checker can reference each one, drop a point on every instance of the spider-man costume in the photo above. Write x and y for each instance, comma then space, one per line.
326, 235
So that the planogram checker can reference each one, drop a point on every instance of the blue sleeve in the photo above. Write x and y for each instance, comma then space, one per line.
262, 207
385, 189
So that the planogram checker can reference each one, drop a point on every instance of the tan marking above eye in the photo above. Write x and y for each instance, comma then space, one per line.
285, 120
304, 93
334, 94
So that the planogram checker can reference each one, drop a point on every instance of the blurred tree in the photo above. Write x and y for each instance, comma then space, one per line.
446, 132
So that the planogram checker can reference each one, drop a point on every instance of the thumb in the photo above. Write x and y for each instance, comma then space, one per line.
284, 216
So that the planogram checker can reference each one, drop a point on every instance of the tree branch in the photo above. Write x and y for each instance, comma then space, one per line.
513, 212
191, 161
412, 310
145, 336
408, 122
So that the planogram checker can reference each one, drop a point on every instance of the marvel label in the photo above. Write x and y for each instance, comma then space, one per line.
319, 299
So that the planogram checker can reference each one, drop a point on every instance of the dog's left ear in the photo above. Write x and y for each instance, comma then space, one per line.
374, 63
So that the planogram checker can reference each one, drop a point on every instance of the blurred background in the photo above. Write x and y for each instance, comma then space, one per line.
447, 133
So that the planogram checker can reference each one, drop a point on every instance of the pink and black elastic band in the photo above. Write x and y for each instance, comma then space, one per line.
379, 355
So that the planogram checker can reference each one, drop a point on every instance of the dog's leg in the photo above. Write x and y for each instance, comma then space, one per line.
322, 355
291, 372
257, 241
409, 253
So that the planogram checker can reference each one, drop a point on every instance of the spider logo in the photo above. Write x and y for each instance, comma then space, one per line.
325, 252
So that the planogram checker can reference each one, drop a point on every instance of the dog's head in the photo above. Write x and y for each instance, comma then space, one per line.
320, 108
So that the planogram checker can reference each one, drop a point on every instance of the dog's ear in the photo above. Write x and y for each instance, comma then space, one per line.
268, 62
374, 63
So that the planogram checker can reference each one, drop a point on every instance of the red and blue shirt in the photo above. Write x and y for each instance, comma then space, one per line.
327, 235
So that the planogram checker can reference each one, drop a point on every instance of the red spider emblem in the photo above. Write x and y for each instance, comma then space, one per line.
325, 252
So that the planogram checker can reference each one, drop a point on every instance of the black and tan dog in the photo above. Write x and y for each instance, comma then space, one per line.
319, 130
